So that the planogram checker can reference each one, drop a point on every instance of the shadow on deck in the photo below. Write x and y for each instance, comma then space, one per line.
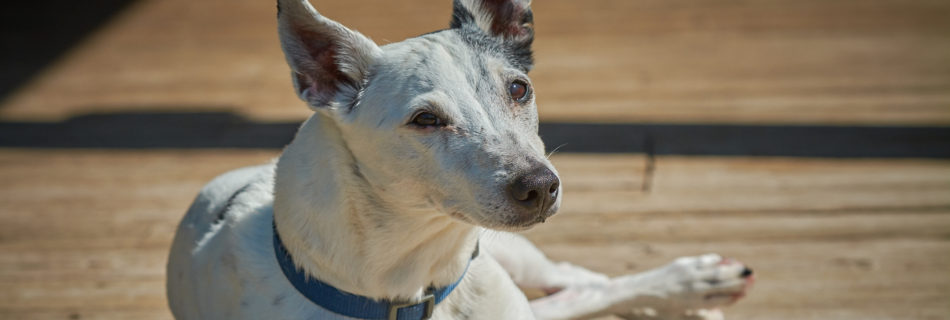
214, 129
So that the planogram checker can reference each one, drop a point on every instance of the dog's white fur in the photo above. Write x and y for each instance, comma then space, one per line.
381, 209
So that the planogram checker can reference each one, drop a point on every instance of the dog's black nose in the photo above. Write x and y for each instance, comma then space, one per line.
535, 191
746, 272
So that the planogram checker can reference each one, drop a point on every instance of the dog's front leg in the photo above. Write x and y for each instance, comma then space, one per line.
530, 268
688, 288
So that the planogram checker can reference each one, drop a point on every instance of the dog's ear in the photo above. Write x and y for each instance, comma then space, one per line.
510, 21
327, 58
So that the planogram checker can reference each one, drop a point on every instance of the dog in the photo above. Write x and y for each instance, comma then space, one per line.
399, 196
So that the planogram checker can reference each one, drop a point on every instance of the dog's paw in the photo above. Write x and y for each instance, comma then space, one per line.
704, 282
685, 288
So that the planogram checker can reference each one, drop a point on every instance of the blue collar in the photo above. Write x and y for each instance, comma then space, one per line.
356, 306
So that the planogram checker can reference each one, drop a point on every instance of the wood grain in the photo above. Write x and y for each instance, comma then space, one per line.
86, 232
853, 62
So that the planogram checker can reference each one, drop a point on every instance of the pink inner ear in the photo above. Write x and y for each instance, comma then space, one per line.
325, 77
507, 18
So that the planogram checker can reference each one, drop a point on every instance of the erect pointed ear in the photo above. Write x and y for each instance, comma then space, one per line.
510, 21
327, 59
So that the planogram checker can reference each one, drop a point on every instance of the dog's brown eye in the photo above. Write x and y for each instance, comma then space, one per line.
518, 90
427, 119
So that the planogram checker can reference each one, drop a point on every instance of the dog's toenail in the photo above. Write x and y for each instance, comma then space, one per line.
746, 272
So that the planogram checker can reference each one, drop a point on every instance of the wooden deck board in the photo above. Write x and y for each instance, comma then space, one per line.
851, 62
98, 251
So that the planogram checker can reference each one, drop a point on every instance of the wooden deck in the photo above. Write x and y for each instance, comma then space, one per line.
84, 233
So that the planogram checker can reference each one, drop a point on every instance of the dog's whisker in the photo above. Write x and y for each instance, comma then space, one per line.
548, 156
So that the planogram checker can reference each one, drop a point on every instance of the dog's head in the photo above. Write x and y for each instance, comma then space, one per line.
446, 120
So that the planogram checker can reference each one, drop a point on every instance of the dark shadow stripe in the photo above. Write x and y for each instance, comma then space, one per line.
149, 130
159, 130
751, 140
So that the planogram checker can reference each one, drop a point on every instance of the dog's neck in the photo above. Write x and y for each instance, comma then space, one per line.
340, 230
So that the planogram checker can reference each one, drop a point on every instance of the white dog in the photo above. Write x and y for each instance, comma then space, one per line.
380, 207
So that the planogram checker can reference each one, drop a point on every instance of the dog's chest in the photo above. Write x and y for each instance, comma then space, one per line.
487, 292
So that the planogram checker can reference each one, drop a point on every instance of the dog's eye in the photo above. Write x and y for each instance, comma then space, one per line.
518, 90
427, 119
